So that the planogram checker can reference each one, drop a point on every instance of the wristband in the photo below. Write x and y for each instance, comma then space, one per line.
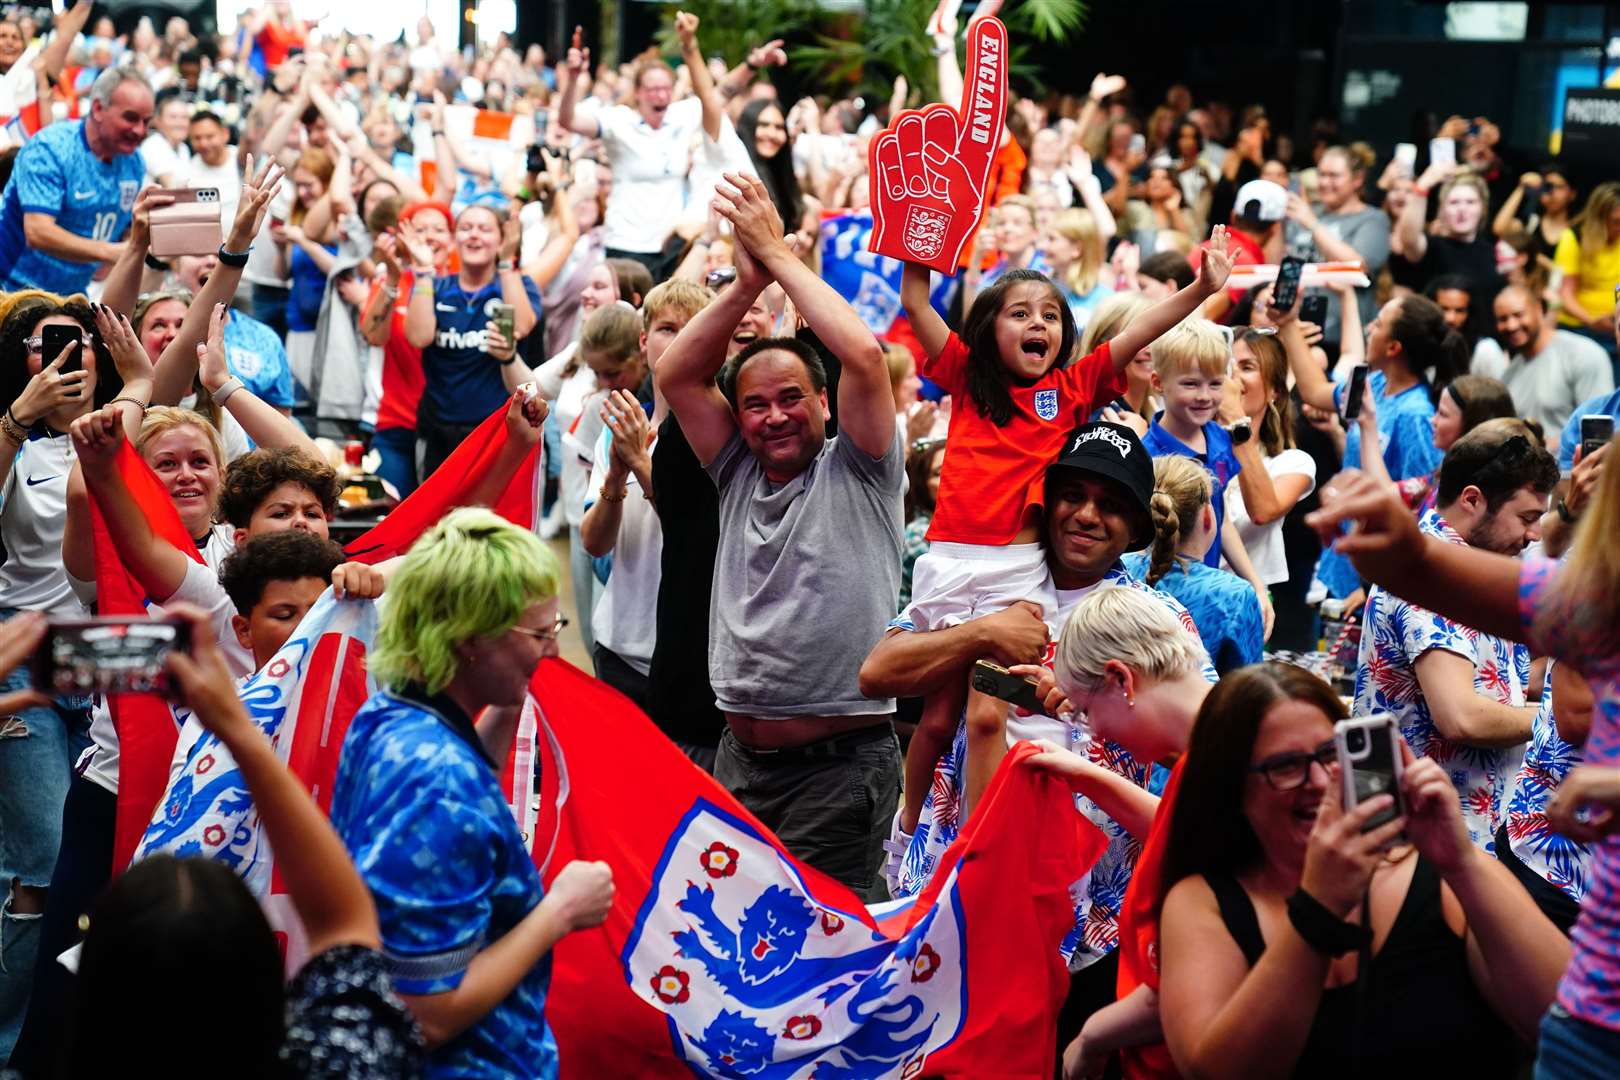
1420, 192
227, 388
1563, 512
503, 265
437, 133
613, 498
1321, 929
234, 259
156, 264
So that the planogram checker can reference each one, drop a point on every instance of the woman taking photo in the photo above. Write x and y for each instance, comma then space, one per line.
1547, 222
1298, 940
1460, 242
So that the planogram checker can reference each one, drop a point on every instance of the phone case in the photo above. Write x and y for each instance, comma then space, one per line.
1354, 392
1596, 431
1286, 290
1369, 752
109, 655
55, 338
998, 682
188, 226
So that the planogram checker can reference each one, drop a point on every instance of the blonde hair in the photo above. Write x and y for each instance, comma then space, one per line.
677, 295
1593, 224
611, 330
1193, 344
1130, 625
1077, 226
1475, 182
1181, 490
162, 419
1585, 594
1110, 318
1023, 202
899, 361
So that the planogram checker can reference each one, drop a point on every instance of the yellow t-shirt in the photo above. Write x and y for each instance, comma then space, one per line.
1595, 275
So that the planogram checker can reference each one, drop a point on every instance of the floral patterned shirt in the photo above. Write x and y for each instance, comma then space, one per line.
1563, 862
1581, 634
1395, 634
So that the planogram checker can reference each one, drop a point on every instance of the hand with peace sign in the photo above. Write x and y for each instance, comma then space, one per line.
928, 171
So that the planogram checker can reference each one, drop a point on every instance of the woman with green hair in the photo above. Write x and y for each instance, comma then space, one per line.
466, 927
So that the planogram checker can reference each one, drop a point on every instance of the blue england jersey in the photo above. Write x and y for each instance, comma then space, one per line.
462, 381
56, 174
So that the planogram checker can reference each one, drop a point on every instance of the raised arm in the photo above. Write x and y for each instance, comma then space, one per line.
421, 320
1149, 326
513, 292
865, 402
525, 412
572, 80
177, 367
1315, 389
264, 423
158, 565
54, 56
714, 110
1409, 227
916, 283
332, 900
916, 663
1504, 219
377, 320
125, 281
737, 79
686, 372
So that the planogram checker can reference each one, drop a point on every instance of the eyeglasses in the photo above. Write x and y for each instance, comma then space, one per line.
1286, 772
543, 635
37, 344
725, 275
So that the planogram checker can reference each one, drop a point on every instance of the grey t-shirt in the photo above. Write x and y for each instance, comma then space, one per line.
1366, 230
1548, 386
806, 578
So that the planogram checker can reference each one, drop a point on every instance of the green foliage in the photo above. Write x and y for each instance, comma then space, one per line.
863, 52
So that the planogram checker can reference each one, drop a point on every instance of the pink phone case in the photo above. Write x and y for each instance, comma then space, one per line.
187, 226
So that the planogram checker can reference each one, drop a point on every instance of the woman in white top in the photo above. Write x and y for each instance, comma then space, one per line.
1275, 475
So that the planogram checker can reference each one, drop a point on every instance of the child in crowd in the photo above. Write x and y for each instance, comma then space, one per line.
1018, 398
1225, 608
1190, 367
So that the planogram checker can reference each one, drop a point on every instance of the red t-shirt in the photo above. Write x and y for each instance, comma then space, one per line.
1243, 249
1139, 933
402, 379
991, 472
275, 41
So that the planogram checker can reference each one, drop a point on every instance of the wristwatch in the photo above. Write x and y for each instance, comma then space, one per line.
1241, 431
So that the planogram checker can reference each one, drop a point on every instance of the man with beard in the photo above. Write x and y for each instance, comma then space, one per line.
73, 189
1548, 371
1457, 693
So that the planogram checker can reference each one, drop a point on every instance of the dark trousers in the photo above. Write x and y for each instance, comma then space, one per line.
83, 869
830, 803
1091, 989
436, 441
660, 264
616, 671
1554, 902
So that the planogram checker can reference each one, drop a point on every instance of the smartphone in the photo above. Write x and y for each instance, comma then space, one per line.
187, 226
108, 655
1596, 431
1354, 392
504, 316
54, 338
1138, 143
1286, 291
1442, 151
1406, 154
997, 681
1369, 751
1313, 309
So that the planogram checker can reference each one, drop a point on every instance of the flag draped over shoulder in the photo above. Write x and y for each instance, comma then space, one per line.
302, 701
146, 728
447, 488
725, 956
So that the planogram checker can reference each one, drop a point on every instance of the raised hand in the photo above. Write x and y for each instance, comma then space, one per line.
769, 54
50, 390
686, 25
258, 188
754, 220
140, 225
1103, 86
928, 171
418, 250
627, 420
525, 413
942, 23
582, 893
128, 354
987, 9
385, 251
1340, 859
1214, 265
578, 60
96, 437
211, 367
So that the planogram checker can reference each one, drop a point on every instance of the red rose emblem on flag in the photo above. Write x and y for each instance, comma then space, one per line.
924, 966
802, 1027
830, 923
719, 861
669, 985
214, 835
205, 763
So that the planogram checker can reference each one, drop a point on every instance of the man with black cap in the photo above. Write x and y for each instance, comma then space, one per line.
1096, 497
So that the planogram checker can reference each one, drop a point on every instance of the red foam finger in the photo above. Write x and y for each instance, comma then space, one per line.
984, 98
885, 167
940, 133
908, 134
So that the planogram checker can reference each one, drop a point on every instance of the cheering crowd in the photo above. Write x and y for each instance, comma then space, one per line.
845, 528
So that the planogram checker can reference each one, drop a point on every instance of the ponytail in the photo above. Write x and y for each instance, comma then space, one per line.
1181, 489
1432, 350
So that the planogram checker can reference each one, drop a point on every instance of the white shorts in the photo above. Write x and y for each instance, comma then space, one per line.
953, 583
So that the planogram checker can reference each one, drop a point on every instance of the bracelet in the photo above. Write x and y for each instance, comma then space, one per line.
437, 133
234, 259
133, 400
154, 263
12, 429
509, 360
1420, 192
1321, 929
1563, 512
614, 498
420, 273
226, 389
504, 265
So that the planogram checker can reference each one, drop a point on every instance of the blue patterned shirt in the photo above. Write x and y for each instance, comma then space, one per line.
56, 174
1395, 634
421, 810
1217, 459
1562, 862
255, 354
1223, 605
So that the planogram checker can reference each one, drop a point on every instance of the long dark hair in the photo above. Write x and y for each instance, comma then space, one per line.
1209, 832
20, 325
776, 173
987, 376
1431, 349
178, 937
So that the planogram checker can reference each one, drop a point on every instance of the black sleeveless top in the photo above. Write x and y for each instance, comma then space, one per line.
1422, 1014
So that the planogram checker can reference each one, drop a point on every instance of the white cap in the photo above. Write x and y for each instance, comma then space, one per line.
1261, 200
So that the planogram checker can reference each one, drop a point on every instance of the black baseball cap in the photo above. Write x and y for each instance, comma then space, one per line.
1113, 452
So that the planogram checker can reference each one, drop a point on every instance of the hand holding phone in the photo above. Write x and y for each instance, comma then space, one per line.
997, 681
54, 337
1354, 392
1597, 430
111, 655
1442, 152
189, 225
1286, 291
1370, 764
1314, 308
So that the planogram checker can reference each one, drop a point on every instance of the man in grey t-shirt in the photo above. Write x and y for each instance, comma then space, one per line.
1549, 371
807, 572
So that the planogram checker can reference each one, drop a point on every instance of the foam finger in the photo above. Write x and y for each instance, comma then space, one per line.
941, 129
908, 133
888, 169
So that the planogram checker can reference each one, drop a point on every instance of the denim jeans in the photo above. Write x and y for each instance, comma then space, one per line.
396, 450
830, 803
1572, 1049
38, 748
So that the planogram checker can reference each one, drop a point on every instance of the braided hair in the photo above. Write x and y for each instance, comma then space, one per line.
1181, 490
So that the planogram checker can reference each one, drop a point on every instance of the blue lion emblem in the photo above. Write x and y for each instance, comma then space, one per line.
1046, 404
